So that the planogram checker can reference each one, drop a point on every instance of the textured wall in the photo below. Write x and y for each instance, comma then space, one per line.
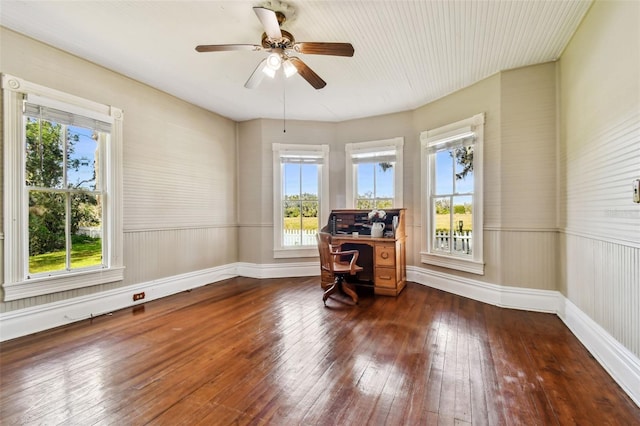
179, 168
255, 153
599, 157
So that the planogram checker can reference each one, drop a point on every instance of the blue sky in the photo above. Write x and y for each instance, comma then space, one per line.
84, 149
444, 172
292, 174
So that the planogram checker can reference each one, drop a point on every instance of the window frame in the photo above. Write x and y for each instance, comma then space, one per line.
279, 250
396, 144
17, 282
451, 132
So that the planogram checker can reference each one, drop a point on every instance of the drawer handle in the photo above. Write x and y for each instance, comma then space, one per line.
385, 277
384, 255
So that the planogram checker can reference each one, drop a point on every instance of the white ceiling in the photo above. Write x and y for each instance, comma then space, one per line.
407, 53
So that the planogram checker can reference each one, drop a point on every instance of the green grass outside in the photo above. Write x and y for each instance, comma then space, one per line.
84, 252
308, 223
442, 221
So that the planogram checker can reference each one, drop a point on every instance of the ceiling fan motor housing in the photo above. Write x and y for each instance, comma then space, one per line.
286, 42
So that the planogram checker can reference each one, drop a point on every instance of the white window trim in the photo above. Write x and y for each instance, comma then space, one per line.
279, 251
17, 284
394, 144
475, 264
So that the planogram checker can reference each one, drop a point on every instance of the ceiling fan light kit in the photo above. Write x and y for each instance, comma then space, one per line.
281, 44
274, 60
289, 68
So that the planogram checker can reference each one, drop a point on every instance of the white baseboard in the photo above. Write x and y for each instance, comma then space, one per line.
619, 362
506, 297
278, 270
31, 320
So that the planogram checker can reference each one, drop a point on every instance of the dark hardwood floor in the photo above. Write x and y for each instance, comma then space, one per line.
249, 351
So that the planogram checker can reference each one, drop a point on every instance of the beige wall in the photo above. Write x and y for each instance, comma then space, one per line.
179, 168
255, 154
599, 81
520, 144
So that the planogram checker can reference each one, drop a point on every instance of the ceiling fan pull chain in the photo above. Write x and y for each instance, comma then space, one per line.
284, 105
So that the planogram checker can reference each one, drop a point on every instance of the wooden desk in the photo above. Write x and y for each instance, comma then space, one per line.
389, 262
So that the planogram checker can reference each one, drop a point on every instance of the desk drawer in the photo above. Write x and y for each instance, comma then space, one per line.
386, 254
385, 277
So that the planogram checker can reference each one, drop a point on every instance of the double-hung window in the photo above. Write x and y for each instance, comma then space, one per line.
62, 219
301, 194
452, 195
374, 174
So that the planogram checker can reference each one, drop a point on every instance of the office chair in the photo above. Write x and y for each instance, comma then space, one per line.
331, 262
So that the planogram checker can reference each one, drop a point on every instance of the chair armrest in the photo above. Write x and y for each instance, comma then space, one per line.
352, 262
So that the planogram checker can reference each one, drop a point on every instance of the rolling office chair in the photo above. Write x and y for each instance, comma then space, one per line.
331, 262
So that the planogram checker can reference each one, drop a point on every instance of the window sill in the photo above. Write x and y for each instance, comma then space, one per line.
54, 284
286, 253
452, 262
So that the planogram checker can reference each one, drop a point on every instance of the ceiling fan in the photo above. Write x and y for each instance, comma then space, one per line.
281, 45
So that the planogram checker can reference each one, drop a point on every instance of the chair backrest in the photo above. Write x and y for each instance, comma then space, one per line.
324, 248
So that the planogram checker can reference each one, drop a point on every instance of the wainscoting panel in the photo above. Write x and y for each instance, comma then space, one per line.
603, 281
522, 258
162, 253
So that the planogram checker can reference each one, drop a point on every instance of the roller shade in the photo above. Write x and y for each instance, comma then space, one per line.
306, 158
66, 118
456, 138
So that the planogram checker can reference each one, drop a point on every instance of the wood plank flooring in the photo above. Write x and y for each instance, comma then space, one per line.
248, 351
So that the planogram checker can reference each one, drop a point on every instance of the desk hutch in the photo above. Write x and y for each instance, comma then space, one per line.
384, 259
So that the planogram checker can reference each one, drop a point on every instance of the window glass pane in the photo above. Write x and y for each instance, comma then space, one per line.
365, 204
384, 203
444, 172
82, 153
310, 187
310, 210
442, 223
364, 180
462, 224
86, 230
301, 204
44, 151
291, 180
384, 180
291, 210
292, 222
464, 169
310, 222
47, 243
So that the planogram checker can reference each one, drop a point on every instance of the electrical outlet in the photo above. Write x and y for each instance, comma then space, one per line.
138, 296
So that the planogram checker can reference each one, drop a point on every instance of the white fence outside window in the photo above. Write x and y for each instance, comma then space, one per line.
462, 241
93, 232
292, 237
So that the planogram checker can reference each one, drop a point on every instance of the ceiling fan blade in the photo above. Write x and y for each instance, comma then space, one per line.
227, 47
307, 73
269, 21
257, 75
335, 49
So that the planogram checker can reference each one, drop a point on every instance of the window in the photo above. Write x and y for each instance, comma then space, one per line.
452, 195
301, 193
62, 219
374, 174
